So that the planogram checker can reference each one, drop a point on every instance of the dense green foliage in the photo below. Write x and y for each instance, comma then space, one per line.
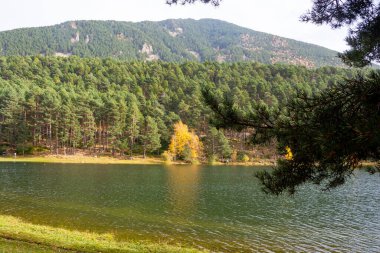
171, 40
329, 134
109, 105
364, 18
326, 134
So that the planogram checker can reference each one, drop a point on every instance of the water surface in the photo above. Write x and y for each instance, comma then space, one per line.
220, 208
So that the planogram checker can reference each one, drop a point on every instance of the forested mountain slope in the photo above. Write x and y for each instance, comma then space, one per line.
58, 102
170, 40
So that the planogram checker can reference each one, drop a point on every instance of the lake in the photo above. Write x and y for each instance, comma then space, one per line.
220, 208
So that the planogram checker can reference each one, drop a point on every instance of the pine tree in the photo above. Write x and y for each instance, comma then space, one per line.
150, 137
133, 122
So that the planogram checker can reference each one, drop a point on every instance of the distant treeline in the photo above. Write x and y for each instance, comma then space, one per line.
63, 104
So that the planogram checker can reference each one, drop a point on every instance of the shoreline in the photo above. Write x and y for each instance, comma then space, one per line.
137, 160
83, 159
16, 230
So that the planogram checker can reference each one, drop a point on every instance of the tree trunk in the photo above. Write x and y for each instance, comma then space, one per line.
56, 134
50, 137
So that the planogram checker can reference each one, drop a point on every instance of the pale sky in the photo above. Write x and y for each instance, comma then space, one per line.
279, 17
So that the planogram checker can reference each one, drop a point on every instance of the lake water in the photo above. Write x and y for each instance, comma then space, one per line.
220, 208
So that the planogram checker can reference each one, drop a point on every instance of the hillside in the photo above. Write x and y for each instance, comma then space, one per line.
62, 104
170, 40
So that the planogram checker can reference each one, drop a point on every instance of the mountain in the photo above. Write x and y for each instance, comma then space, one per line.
175, 40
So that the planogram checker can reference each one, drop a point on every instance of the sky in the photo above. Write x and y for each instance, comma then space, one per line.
277, 17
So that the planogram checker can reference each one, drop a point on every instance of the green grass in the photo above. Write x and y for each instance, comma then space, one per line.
15, 229
11, 246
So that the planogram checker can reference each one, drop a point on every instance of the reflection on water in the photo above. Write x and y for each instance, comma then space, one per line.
183, 184
220, 208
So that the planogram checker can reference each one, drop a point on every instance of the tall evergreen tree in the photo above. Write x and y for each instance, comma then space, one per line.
150, 136
133, 122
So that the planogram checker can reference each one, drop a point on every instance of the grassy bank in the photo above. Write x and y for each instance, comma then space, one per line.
12, 246
112, 160
16, 230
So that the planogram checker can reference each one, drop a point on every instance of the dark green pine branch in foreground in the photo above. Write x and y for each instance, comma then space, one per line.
330, 132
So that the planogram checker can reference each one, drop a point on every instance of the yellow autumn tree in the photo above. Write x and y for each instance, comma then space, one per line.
185, 144
289, 153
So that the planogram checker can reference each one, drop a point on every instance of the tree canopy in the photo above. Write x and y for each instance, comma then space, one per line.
363, 16
185, 144
330, 132
173, 40
104, 105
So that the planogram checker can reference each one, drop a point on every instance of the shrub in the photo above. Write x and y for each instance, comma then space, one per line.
167, 156
234, 156
245, 159
212, 159
24, 149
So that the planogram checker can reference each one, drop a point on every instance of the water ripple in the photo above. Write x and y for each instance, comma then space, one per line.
217, 208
